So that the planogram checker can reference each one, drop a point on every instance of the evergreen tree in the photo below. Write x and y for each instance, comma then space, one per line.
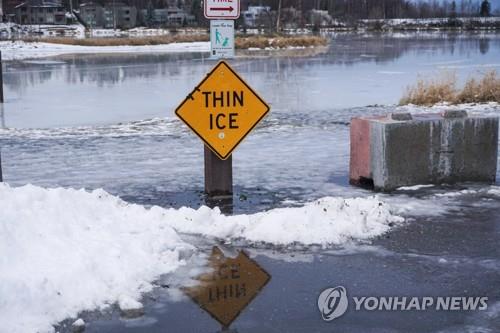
150, 15
485, 9
453, 13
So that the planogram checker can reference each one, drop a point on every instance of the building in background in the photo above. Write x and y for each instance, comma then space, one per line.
120, 15
153, 17
255, 15
40, 12
319, 18
171, 16
92, 14
112, 15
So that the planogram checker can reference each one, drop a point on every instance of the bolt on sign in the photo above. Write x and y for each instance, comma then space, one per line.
229, 287
222, 110
222, 9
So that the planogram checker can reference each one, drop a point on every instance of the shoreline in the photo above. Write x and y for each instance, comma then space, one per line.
50, 47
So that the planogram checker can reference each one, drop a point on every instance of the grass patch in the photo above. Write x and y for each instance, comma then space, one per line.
260, 42
444, 89
122, 41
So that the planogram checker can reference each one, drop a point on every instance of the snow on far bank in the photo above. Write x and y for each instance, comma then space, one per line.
18, 50
10, 30
65, 251
483, 109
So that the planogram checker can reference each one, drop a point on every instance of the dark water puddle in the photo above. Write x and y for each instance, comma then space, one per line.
245, 200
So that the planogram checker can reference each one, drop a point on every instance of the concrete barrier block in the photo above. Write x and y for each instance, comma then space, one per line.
360, 164
394, 151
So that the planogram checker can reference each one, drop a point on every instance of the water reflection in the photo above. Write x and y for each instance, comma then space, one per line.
345, 49
229, 287
355, 70
484, 45
99, 69
2, 116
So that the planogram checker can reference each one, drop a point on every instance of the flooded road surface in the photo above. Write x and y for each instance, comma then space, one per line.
454, 254
107, 122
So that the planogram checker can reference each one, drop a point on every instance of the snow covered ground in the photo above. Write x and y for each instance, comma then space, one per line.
8, 30
18, 50
65, 250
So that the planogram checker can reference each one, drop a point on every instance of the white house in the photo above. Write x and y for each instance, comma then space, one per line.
254, 14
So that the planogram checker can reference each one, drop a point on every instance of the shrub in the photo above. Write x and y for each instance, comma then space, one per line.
429, 92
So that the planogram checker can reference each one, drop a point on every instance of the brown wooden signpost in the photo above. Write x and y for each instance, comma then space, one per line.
222, 110
229, 287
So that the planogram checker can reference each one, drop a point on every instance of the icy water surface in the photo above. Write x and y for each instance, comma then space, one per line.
107, 121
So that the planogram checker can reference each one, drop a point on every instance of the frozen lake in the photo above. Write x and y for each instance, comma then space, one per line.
107, 121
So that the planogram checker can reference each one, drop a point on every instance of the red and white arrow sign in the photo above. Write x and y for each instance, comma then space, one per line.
222, 9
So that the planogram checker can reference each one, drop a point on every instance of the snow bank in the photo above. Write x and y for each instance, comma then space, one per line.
325, 221
64, 250
19, 50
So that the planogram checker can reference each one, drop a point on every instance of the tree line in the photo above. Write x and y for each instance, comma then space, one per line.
338, 9
382, 9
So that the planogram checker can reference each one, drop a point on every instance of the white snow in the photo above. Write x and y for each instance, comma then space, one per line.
414, 188
65, 250
127, 303
78, 323
483, 109
457, 193
17, 50
494, 190
330, 220
11, 30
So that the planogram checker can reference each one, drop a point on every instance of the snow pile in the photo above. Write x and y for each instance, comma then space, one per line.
326, 221
17, 50
64, 250
494, 190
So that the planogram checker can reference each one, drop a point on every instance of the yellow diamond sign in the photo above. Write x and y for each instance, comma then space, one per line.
222, 110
